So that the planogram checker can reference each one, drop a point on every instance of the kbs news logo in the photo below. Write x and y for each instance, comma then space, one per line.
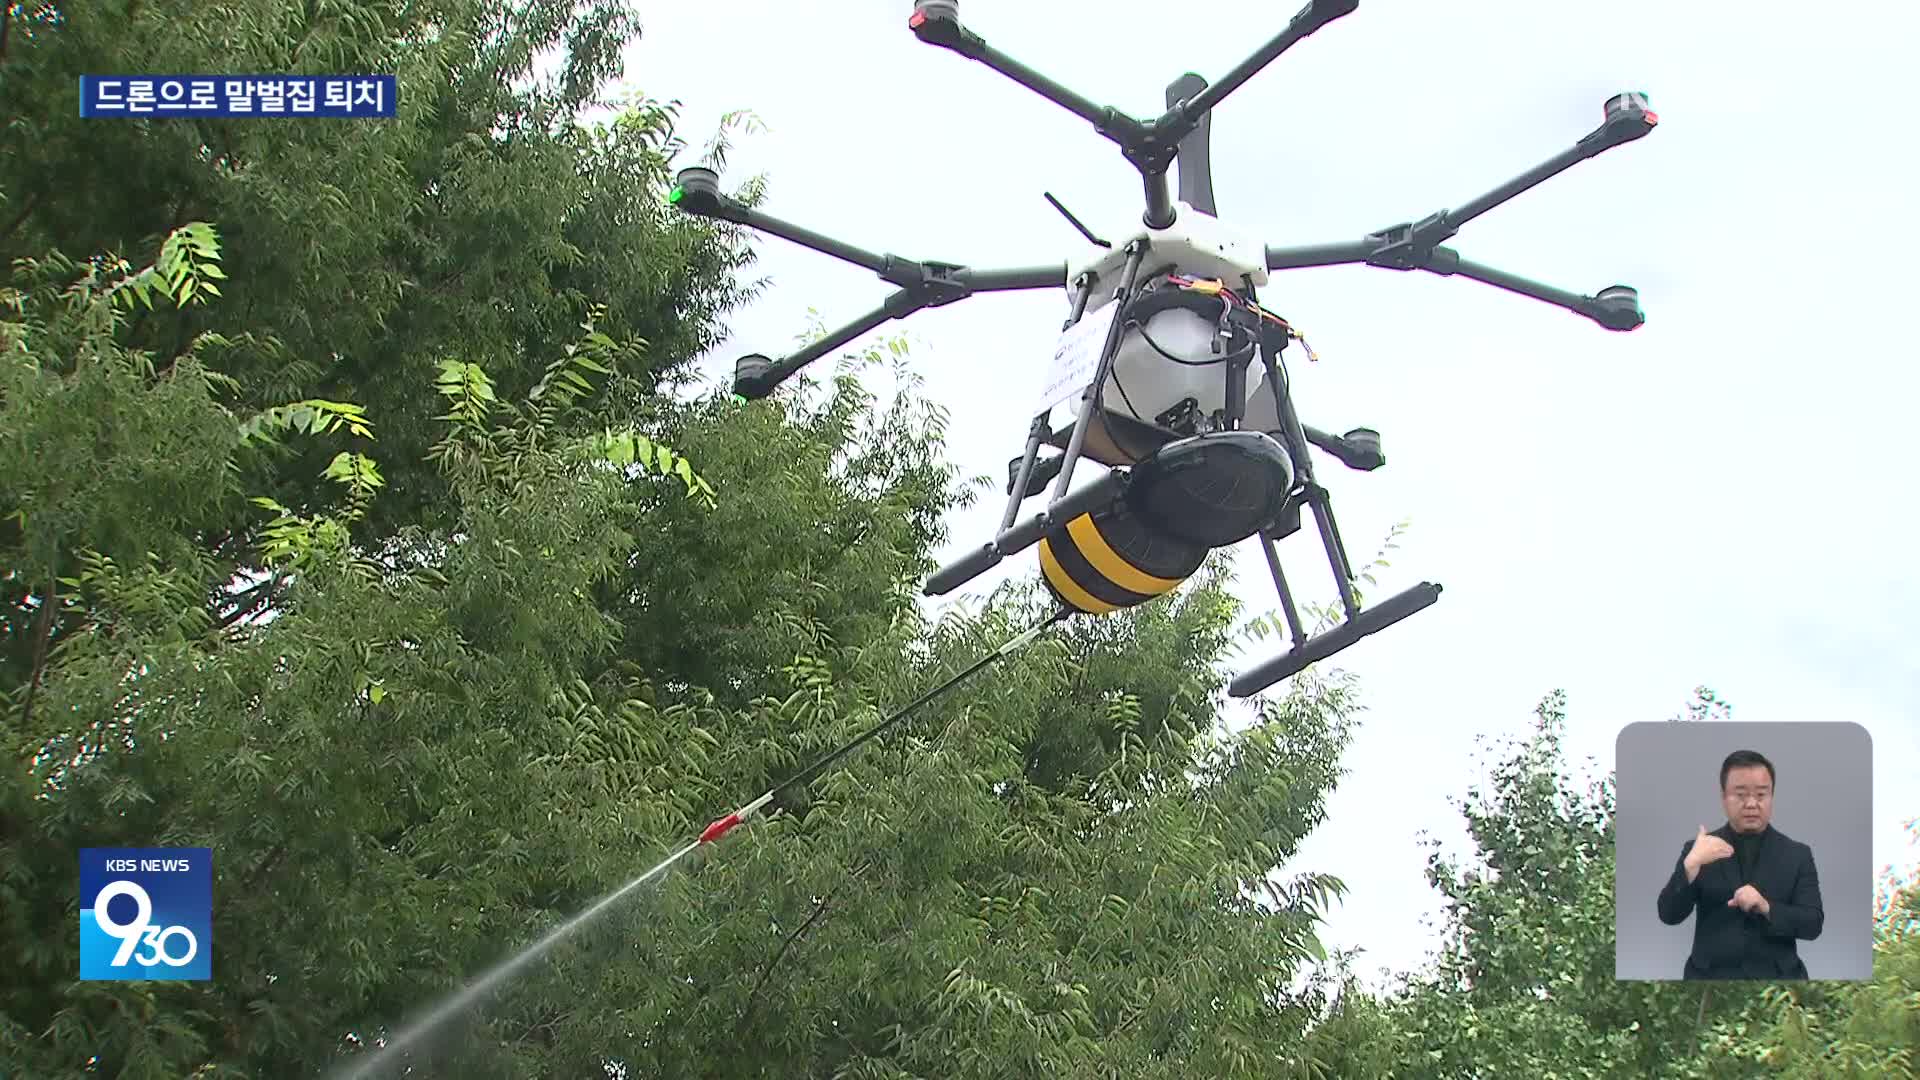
146, 913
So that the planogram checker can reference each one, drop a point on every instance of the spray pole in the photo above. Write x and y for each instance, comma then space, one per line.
711, 834
722, 826
727, 824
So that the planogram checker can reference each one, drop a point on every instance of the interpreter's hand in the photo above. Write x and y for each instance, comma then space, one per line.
1707, 849
1748, 899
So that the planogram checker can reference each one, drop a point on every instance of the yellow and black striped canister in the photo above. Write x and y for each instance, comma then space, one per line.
1110, 559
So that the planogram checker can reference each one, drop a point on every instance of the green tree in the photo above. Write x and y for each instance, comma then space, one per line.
483, 221
446, 741
1524, 983
334, 752
1352, 1031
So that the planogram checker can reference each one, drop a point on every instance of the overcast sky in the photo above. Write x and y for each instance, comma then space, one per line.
1724, 496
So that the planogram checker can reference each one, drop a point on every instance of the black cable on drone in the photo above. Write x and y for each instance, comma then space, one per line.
722, 826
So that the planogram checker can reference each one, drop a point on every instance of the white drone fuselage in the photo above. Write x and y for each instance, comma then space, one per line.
1144, 384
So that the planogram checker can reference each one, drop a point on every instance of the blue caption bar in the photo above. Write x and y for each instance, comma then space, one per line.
238, 95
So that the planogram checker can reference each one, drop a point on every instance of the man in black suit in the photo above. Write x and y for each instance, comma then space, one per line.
1753, 891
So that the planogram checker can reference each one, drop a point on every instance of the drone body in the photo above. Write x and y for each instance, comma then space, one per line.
1182, 392
1169, 375
1169, 357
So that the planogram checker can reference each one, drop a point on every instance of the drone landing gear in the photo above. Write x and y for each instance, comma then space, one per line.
1359, 622
1012, 540
1065, 505
1358, 449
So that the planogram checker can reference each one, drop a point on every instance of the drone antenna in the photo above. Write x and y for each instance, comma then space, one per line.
1075, 222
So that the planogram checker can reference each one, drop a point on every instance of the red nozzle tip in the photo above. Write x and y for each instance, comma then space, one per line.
719, 828
916, 20
1652, 118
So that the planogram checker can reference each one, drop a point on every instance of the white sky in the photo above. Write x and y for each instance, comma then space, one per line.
1715, 498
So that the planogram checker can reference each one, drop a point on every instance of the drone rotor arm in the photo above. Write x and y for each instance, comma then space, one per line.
1511, 190
918, 284
923, 285
1315, 15
1414, 245
696, 190
1149, 146
937, 22
1616, 307
1296, 258
826, 245
755, 376
1418, 245
1014, 278
1625, 117
1358, 449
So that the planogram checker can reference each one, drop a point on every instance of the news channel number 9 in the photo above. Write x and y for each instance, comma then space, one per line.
146, 913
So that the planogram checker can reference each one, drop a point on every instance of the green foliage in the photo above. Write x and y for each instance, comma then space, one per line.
483, 221
101, 447
313, 417
1099, 923
152, 728
428, 695
185, 272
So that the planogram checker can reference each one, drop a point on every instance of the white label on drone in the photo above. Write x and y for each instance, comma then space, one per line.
1076, 357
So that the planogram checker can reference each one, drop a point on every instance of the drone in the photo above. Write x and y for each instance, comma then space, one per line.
1161, 344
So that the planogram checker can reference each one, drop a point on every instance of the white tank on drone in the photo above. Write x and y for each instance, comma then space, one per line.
1169, 357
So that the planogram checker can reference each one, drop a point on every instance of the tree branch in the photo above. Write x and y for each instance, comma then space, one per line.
269, 862
252, 599
40, 637
545, 1028
27, 204
766, 973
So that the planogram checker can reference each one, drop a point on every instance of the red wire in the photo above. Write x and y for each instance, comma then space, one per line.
1232, 298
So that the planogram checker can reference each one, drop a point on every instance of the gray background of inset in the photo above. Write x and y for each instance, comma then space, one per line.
1667, 784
